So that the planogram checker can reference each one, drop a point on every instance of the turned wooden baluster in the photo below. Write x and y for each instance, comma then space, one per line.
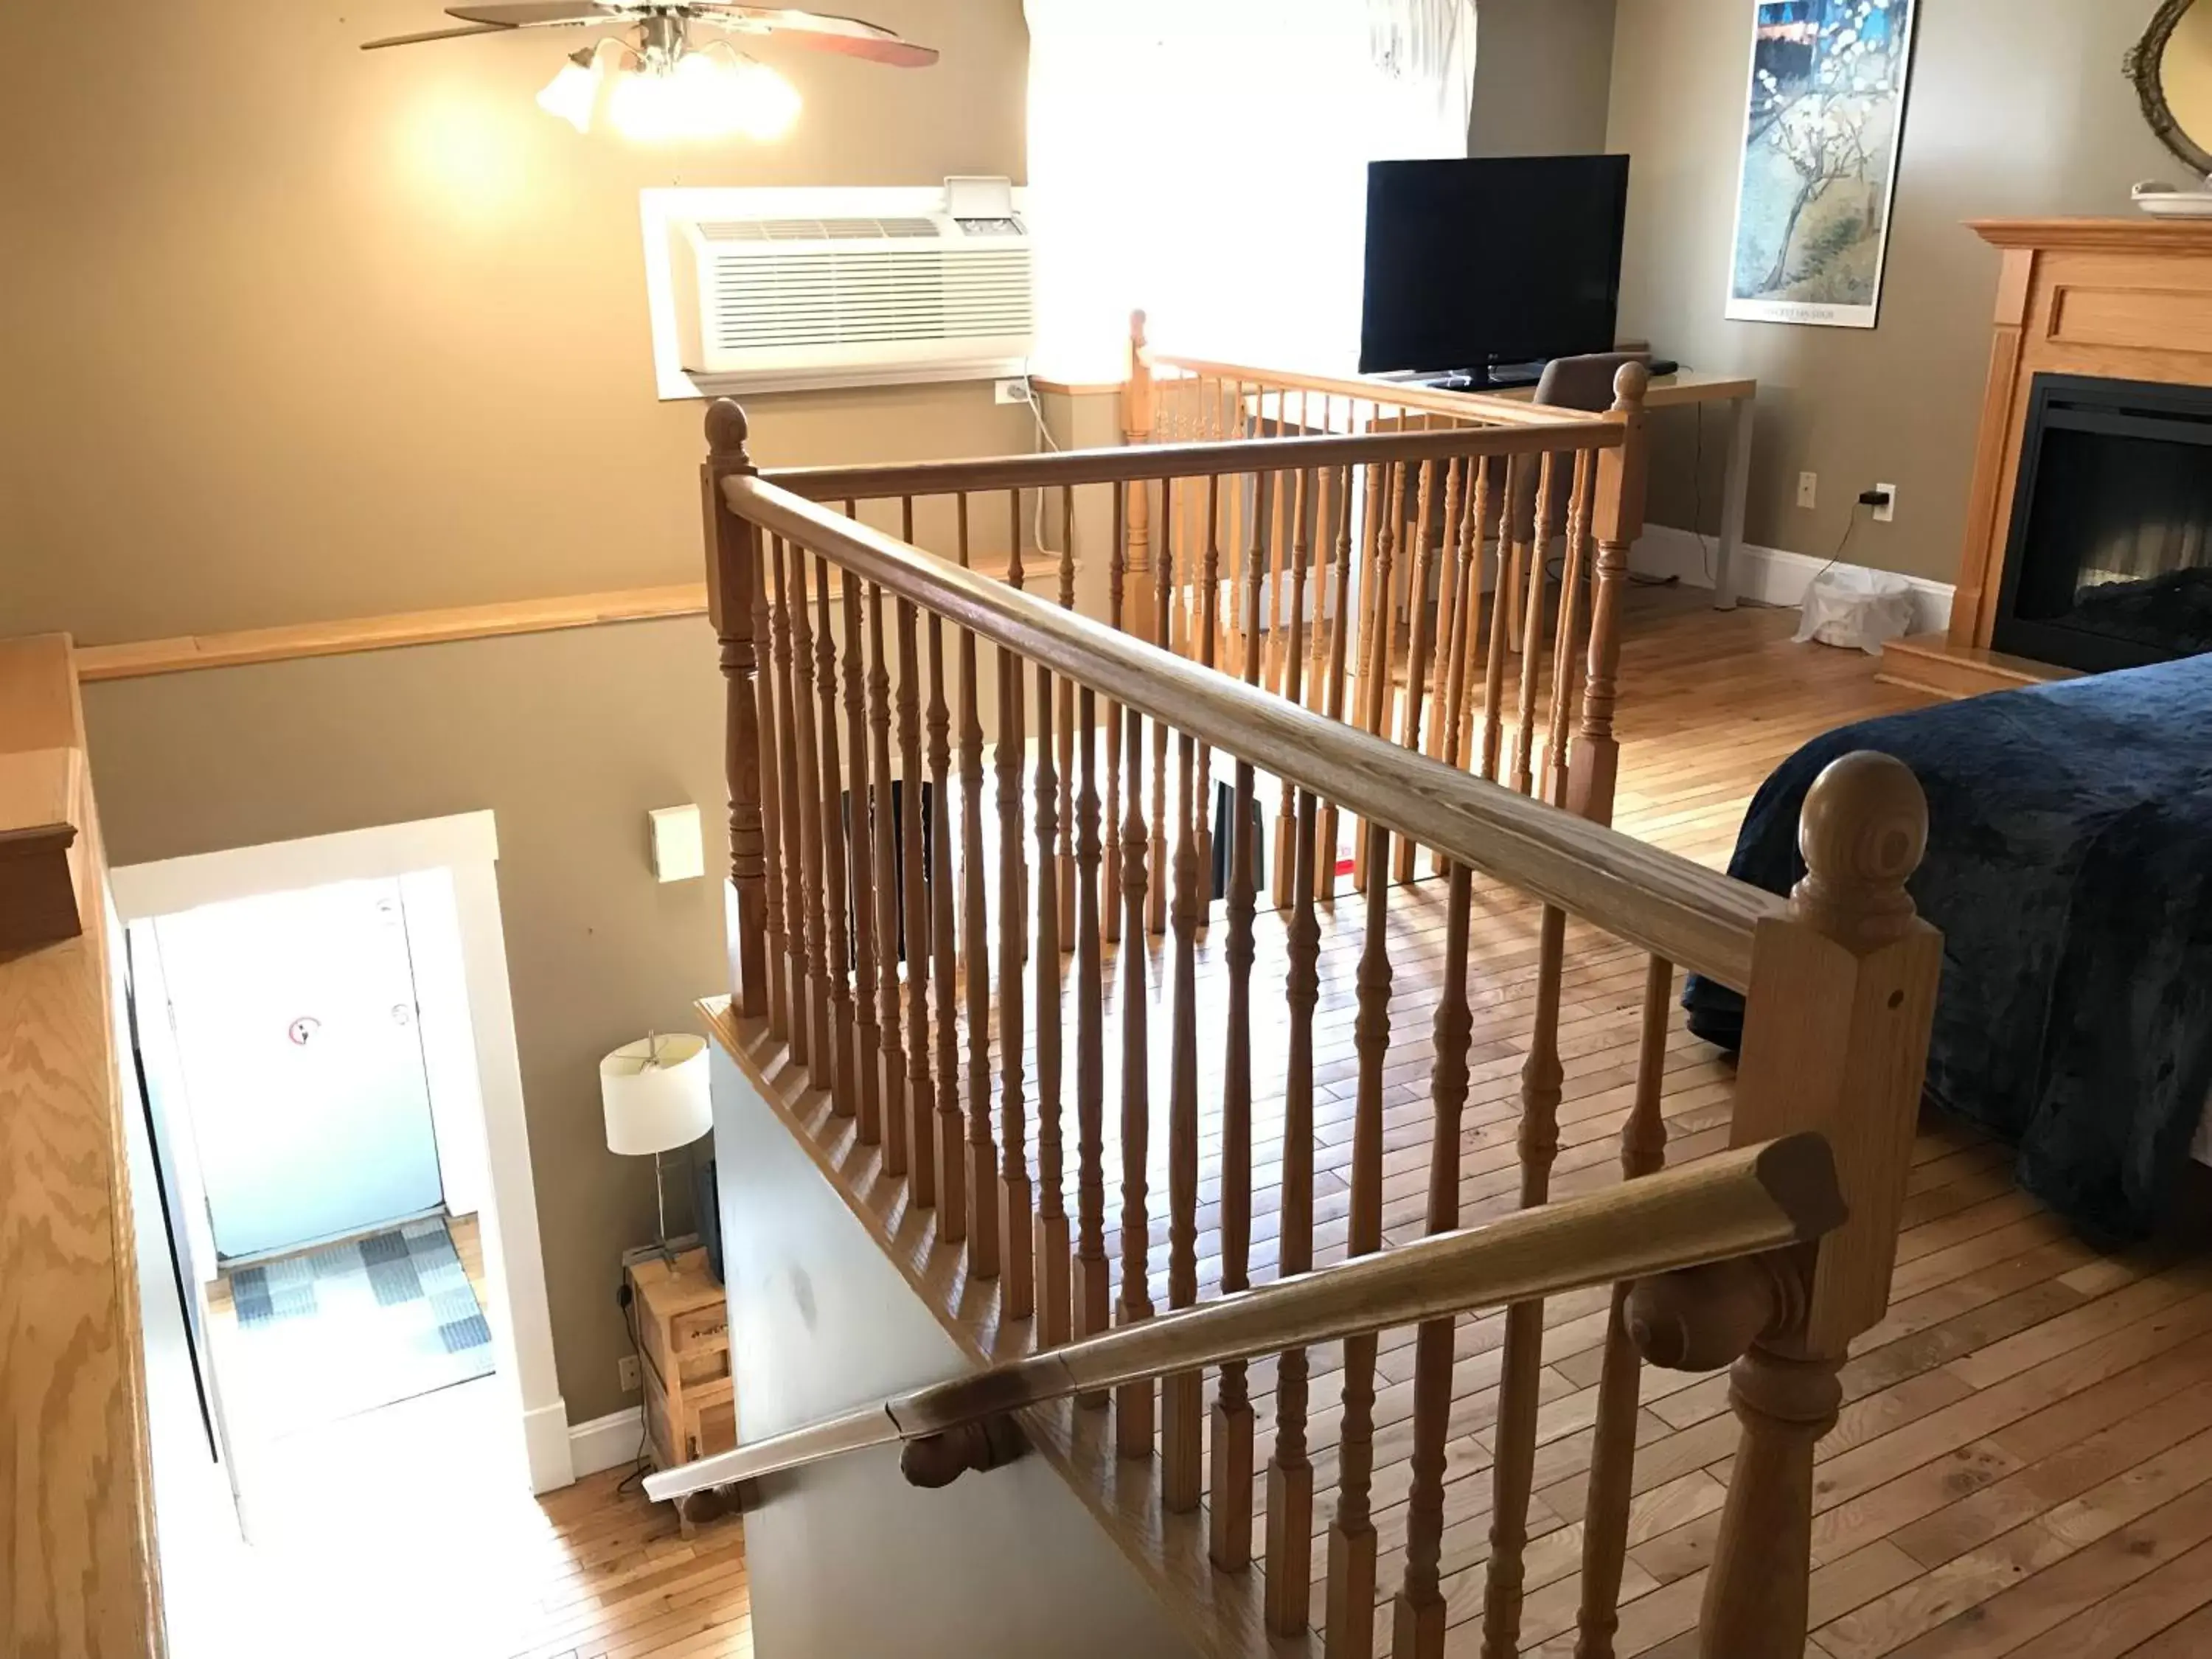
736, 604
1206, 628
800, 992
880, 813
1566, 665
1338, 486
1305, 510
1290, 1470
1419, 1619
1595, 767
1340, 636
1126, 507
1532, 632
1515, 1437
1017, 1224
1449, 631
1501, 615
1090, 1290
951, 1147
844, 1087
1230, 1539
1843, 989
1381, 639
1133, 1402
1182, 1403
1051, 1243
868, 1042
913, 855
1063, 728
820, 1047
976, 961
1612, 1451
1156, 914
1459, 742
1350, 1614
1417, 646
1363, 652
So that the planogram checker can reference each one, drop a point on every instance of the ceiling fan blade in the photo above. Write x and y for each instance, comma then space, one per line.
850, 36
531, 14
433, 35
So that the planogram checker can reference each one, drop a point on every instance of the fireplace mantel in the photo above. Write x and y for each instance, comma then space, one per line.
2120, 299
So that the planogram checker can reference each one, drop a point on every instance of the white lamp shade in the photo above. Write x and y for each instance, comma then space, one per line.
655, 1095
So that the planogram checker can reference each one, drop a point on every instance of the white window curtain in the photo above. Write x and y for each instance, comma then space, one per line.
1206, 161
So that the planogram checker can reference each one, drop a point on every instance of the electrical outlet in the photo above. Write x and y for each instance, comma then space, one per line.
1011, 392
626, 1373
1808, 490
1888, 511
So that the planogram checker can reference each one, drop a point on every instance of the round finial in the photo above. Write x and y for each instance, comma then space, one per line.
1629, 384
1862, 832
727, 428
1137, 328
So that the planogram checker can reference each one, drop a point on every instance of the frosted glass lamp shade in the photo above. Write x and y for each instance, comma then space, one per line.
654, 1092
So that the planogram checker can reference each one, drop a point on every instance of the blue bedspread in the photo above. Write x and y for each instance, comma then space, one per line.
2069, 865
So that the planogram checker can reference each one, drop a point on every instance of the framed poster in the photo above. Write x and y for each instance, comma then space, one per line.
1824, 114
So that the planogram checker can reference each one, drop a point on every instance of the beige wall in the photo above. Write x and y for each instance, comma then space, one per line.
2018, 109
294, 332
1542, 76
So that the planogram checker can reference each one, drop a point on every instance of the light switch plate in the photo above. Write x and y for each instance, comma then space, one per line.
678, 849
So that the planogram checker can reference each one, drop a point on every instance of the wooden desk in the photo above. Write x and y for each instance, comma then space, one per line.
1690, 389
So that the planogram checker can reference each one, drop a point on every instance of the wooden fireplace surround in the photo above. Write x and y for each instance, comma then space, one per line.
2122, 299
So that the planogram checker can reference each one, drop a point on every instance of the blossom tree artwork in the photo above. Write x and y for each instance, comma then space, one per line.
1822, 127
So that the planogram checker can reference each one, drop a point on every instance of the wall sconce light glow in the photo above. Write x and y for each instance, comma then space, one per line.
574, 93
701, 97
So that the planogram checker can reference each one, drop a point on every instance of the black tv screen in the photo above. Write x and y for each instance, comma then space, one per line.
1486, 261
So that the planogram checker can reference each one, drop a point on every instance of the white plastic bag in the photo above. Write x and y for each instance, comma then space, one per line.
1849, 606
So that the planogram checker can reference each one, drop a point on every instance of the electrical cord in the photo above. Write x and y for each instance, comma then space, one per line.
626, 1299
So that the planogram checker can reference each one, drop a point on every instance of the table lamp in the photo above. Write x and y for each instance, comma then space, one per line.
654, 1093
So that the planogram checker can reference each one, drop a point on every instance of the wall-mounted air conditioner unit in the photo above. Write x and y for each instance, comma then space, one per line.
861, 290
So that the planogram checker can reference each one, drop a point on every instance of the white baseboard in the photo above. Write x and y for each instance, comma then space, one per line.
1766, 575
545, 1444
605, 1442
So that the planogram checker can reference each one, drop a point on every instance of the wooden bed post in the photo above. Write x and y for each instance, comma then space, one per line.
1595, 767
1842, 990
733, 577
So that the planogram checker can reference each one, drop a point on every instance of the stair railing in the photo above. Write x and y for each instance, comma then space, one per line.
896, 953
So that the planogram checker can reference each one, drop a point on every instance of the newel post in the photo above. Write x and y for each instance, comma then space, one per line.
1842, 989
1616, 521
1139, 418
734, 596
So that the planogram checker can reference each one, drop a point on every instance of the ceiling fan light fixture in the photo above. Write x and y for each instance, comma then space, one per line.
574, 93
699, 96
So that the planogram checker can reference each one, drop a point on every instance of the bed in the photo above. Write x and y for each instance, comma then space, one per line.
2069, 865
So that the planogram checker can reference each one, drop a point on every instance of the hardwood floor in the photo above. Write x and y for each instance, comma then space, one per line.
2024, 1465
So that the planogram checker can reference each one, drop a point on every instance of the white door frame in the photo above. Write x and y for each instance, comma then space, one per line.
466, 845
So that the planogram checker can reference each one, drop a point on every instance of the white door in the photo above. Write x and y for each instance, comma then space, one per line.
299, 1038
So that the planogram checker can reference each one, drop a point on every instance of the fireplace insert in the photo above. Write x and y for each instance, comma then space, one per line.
2109, 564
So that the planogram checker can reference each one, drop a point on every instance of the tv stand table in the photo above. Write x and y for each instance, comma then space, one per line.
1690, 389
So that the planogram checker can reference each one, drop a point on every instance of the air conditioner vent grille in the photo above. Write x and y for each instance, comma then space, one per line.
835, 299
819, 230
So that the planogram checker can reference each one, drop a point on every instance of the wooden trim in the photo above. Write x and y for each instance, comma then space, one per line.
139, 659
2141, 235
1666, 904
1741, 1203
1550, 429
1075, 388
385, 633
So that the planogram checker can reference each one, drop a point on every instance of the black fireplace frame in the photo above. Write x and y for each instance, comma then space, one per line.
2149, 409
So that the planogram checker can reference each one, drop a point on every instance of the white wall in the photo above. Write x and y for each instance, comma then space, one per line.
1008, 1563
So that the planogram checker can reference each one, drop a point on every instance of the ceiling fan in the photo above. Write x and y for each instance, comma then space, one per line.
672, 83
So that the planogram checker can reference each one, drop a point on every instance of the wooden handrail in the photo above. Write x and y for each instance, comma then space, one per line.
1461, 406
1738, 1204
1655, 900
1149, 461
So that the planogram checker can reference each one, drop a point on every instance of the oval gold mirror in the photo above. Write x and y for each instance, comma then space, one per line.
2171, 68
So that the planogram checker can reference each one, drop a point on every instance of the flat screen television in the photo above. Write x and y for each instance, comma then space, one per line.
1475, 262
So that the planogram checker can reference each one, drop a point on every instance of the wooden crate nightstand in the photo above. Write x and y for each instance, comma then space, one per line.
684, 1336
